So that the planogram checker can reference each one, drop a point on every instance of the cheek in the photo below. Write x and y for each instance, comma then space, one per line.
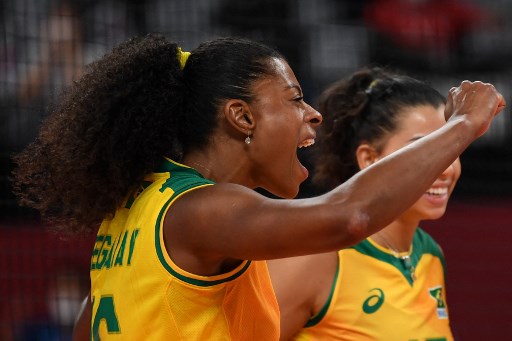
457, 170
458, 166
277, 146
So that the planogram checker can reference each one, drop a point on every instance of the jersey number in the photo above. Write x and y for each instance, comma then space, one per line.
106, 311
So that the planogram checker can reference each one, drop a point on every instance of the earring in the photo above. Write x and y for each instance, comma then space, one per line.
248, 138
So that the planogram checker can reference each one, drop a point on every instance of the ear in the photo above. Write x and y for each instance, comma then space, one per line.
239, 115
366, 155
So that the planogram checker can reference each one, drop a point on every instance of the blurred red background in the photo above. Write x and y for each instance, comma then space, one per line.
475, 237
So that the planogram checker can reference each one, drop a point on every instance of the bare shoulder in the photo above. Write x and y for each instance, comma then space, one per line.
207, 199
219, 206
200, 227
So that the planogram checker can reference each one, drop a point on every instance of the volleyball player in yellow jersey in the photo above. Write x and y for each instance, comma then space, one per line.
390, 286
180, 249
214, 301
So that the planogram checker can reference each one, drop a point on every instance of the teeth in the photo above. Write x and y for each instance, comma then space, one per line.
307, 143
438, 191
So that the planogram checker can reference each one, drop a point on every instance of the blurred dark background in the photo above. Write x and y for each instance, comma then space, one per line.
45, 44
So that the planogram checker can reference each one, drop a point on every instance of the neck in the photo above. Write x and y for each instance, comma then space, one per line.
220, 166
396, 236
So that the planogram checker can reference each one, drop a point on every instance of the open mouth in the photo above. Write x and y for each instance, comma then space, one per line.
439, 191
307, 143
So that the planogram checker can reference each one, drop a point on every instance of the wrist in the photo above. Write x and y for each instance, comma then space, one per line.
464, 130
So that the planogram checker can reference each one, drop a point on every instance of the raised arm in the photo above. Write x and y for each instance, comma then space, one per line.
241, 224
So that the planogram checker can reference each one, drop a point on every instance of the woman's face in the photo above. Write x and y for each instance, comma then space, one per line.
416, 122
284, 122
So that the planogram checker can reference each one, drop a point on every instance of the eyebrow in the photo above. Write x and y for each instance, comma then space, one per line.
294, 86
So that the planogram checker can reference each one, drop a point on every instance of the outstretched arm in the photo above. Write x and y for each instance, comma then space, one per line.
241, 224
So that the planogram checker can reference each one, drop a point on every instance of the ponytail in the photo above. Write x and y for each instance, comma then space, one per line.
103, 135
144, 100
342, 105
363, 108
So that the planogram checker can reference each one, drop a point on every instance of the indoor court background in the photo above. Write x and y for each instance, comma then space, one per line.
44, 45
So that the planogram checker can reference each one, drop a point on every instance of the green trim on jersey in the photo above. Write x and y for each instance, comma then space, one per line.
422, 243
181, 180
133, 196
320, 315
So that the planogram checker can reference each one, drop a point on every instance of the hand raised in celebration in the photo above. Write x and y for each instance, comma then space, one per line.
476, 102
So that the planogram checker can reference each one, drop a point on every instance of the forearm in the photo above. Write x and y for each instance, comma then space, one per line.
363, 205
384, 190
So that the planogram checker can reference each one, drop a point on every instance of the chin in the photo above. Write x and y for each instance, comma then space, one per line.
433, 214
292, 192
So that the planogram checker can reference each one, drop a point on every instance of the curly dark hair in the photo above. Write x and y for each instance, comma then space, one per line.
129, 109
363, 108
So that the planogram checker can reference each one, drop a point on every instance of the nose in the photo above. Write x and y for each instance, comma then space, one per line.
312, 116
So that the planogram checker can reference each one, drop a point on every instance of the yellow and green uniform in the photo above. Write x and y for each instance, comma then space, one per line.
374, 297
138, 293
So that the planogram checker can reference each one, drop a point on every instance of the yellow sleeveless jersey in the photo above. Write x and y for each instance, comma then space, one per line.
375, 299
138, 293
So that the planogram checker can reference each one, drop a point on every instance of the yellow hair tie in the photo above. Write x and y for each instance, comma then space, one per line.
182, 57
371, 86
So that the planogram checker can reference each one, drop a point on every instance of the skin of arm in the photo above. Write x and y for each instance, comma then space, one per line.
299, 302
295, 295
248, 225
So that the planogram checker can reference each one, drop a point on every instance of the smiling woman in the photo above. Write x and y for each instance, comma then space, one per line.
159, 152
391, 285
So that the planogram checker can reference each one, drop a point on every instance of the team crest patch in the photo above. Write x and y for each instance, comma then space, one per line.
437, 294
